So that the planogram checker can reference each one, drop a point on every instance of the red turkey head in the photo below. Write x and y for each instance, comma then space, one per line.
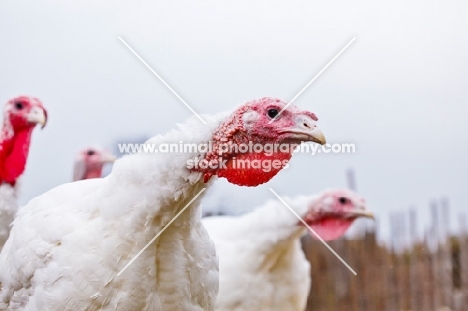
20, 116
333, 212
250, 125
90, 161
24, 113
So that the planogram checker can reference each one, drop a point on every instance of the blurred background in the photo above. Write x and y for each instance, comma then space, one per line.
399, 93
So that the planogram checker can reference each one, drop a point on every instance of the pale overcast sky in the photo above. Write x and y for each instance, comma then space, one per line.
399, 92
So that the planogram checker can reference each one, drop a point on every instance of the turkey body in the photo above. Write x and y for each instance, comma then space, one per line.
67, 245
20, 117
262, 265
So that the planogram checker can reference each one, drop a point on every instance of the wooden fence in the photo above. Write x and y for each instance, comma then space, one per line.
428, 273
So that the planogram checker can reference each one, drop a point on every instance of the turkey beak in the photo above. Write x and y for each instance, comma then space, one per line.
305, 129
108, 157
317, 136
362, 212
38, 115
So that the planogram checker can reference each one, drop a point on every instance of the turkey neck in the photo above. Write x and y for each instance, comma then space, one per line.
14, 149
94, 172
147, 192
276, 230
275, 222
152, 188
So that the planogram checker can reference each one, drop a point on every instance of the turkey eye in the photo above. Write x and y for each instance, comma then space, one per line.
19, 105
272, 113
343, 200
90, 152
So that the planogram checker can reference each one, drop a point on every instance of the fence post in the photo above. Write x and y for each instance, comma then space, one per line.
434, 255
463, 228
415, 281
445, 256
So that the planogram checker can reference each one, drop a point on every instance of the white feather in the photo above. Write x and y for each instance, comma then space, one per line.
8, 208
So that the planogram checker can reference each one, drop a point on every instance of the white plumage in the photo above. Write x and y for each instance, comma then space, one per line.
8, 208
67, 245
261, 262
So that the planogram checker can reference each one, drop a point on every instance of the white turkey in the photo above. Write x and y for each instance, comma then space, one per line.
68, 245
261, 262
20, 116
90, 161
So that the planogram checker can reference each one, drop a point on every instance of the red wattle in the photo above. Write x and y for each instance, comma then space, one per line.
331, 228
253, 169
13, 156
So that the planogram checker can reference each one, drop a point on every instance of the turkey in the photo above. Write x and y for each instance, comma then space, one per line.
261, 262
90, 161
20, 116
69, 245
